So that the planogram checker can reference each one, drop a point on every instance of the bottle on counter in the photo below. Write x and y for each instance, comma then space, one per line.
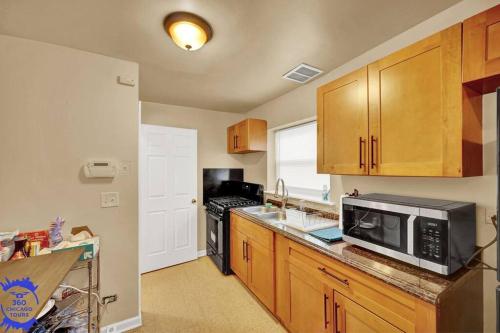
326, 193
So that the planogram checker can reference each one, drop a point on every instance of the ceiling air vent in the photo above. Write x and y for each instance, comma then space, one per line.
302, 73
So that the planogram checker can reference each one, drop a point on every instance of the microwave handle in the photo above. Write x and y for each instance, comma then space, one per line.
410, 231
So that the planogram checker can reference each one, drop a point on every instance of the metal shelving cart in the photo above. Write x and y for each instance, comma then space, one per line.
78, 305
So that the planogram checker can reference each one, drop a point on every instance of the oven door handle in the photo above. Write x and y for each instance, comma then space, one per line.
215, 217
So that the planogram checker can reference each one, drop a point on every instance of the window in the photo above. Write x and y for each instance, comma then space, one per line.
296, 161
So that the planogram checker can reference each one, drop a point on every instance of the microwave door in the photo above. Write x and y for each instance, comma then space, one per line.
379, 227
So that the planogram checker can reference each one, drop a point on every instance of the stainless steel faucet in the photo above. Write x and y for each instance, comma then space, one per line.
284, 193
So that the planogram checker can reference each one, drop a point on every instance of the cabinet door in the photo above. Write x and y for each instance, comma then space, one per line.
482, 47
343, 125
231, 139
242, 136
261, 273
238, 254
351, 317
282, 279
415, 103
310, 304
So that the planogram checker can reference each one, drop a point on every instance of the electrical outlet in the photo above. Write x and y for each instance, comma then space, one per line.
109, 299
489, 214
110, 199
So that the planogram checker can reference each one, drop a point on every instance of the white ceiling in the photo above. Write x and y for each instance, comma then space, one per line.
254, 43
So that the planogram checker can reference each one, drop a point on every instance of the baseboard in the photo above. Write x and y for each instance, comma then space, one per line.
123, 326
202, 253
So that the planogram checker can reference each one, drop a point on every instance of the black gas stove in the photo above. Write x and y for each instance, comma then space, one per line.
232, 195
218, 205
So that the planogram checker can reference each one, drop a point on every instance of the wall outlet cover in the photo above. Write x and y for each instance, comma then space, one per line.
110, 199
489, 214
124, 168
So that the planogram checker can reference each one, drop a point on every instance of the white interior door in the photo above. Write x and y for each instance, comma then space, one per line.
168, 226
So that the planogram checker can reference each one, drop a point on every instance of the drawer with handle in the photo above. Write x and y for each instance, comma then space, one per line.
386, 302
319, 271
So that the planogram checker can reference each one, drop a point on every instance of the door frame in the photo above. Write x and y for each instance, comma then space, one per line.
139, 206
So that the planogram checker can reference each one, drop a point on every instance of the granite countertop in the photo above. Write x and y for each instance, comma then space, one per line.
423, 284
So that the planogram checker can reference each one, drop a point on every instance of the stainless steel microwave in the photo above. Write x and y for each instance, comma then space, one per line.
437, 235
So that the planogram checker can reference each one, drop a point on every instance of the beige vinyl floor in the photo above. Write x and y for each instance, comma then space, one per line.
196, 297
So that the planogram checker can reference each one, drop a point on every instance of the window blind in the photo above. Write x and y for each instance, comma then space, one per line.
296, 160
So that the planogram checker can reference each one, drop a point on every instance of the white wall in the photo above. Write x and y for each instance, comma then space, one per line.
58, 108
301, 104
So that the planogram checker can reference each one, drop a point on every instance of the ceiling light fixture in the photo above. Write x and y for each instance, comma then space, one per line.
189, 31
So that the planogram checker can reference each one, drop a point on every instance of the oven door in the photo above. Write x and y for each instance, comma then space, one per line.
215, 240
384, 228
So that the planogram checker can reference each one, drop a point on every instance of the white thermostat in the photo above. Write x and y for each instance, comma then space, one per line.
100, 169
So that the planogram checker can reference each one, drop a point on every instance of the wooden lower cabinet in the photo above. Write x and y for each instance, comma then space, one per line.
310, 292
239, 263
252, 259
353, 318
260, 278
310, 303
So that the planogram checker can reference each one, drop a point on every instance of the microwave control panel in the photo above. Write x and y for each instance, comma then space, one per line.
433, 239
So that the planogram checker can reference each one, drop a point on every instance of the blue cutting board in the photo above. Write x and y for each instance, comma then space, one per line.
328, 235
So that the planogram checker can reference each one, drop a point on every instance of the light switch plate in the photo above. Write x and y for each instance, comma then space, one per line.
124, 168
110, 199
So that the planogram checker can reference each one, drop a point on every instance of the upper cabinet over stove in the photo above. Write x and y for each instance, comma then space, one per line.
247, 136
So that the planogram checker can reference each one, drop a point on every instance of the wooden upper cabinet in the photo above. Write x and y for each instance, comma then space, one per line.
247, 136
421, 121
242, 134
231, 139
481, 44
342, 117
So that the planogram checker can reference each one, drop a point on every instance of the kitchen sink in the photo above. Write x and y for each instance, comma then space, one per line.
260, 210
276, 216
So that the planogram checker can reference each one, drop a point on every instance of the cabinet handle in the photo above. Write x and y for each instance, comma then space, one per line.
361, 150
343, 281
244, 250
246, 245
236, 139
336, 317
234, 142
325, 314
372, 141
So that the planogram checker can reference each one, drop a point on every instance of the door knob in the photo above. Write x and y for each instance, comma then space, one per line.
193, 201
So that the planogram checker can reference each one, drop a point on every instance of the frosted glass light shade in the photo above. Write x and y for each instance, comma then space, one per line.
188, 31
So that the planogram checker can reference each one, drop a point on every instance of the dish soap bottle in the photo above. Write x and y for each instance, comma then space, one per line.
325, 193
